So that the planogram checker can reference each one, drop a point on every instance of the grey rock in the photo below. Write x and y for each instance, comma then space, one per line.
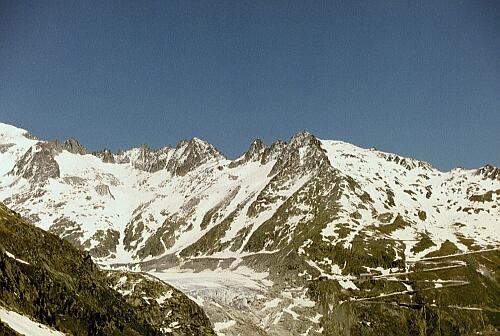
38, 163
73, 146
105, 155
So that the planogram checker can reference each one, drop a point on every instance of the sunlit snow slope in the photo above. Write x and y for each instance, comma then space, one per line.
190, 201
304, 209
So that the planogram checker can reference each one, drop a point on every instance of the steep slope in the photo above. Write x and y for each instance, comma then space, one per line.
311, 218
45, 278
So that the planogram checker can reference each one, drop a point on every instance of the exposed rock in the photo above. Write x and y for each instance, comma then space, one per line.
489, 172
105, 155
150, 160
254, 153
273, 152
73, 146
328, 214
53, 283
304, 152
167, 307
407, 163
5, 147
106, 243
103, 190
189, 155
38, 163
74, 180
68, 230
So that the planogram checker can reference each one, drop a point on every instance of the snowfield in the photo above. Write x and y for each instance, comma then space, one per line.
25, 325
178, 209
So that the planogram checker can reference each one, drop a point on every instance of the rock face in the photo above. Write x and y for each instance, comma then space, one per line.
73, 146
38, 164
146, 159
103, 190
306, 226
185, 157
489, 172
105, 155
166, 307
304, 153
45, 278
254, 153
191, 154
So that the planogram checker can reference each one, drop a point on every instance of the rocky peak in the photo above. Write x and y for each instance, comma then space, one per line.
489, 172
135, 156
105, 155
73, 146
38, 163
304, 152
144, 150
151, 160
187, 155
191, 154
254, 153
198, 146
302, 137
143, 157
273, 152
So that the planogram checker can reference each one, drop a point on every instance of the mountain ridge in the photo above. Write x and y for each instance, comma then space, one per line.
75, 146
47, 280
297, 212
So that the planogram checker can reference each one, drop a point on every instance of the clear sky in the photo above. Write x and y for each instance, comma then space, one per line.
421, 79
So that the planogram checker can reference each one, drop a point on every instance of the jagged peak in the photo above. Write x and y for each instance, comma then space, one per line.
197, 146
302, 136
72, 145
142, 149
190, 154
304, 139
145, 158
257, 143
254, 153
273, 152
145, 147
256, 150
38, 163
489, 171
106, 155
194, 142
303, 150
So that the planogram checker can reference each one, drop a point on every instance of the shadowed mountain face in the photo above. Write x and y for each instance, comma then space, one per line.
48, 280
311, 218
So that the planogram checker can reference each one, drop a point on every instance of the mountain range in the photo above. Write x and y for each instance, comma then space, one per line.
304, 237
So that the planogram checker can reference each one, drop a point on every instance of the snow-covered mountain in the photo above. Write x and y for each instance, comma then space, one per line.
298, 211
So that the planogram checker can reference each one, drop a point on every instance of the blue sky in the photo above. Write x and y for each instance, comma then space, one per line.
421, 79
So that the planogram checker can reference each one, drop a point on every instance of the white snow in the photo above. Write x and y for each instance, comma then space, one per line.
223, 285
153, 198
10, 255
304, 302
219, 326
272, 303
165, 296
25, 325
377, 171
16, 144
